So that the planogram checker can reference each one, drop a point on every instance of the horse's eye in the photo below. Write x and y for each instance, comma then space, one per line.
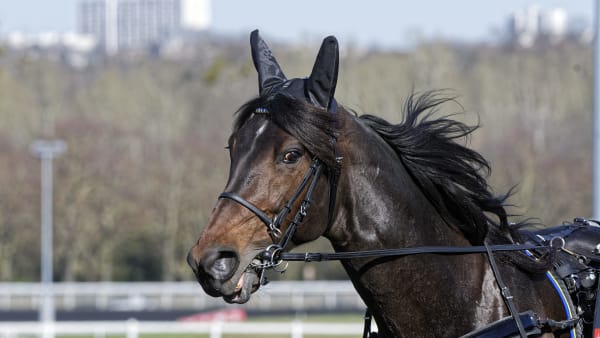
291, 156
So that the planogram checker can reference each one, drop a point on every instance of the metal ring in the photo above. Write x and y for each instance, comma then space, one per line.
557, 243
267, 261
282, 270
275, 249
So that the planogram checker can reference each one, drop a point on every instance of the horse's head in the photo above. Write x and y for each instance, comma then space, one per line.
282, 143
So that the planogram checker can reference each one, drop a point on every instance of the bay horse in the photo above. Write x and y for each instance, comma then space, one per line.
372, 185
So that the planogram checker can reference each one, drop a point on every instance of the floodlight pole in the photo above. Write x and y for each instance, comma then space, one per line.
46, 150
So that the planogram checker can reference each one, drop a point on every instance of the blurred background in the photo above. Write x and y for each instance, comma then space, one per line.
143, 92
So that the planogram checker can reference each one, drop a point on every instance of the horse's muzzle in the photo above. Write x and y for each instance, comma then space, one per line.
215, 267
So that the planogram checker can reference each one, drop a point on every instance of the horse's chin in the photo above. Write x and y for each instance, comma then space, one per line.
247, 284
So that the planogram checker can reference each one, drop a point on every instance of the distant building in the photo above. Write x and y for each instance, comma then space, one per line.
553, 23
47, 40
527, 26
130, 24
75, 49
524, 26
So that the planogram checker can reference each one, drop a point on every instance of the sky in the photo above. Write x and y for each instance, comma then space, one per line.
379, 23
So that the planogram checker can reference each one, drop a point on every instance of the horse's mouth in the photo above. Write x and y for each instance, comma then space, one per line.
248, 283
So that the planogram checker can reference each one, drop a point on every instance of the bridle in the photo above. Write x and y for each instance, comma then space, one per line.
274, 224
270, 257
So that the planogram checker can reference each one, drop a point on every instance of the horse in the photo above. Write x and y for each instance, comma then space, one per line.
370, 184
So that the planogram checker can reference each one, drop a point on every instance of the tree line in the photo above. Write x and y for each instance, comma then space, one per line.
146, 136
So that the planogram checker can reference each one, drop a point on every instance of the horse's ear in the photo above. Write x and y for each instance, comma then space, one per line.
323, 79
269, 72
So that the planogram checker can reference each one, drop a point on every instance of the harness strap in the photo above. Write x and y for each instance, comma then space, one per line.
399, 252
506, 295
556, 325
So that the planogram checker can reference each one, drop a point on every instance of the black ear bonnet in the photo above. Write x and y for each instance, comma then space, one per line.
317, 89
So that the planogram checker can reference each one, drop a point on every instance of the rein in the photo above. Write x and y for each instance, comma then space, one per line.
439, 250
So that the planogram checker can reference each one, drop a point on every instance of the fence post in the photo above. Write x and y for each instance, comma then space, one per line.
132, 328
48, 329
297, 329
100, 333
216, 329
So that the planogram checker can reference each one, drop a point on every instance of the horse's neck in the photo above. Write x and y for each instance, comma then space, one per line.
380, 207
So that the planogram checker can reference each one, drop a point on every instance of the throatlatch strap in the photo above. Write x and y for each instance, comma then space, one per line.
505, 292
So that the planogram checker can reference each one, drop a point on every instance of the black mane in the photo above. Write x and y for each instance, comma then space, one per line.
452, 176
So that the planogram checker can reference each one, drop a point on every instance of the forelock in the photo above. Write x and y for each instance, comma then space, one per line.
313, 126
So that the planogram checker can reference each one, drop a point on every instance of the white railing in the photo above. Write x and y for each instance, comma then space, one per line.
325, 295
132, 329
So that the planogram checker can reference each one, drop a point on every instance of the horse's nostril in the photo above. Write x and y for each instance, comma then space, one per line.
221, 264
224, 267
